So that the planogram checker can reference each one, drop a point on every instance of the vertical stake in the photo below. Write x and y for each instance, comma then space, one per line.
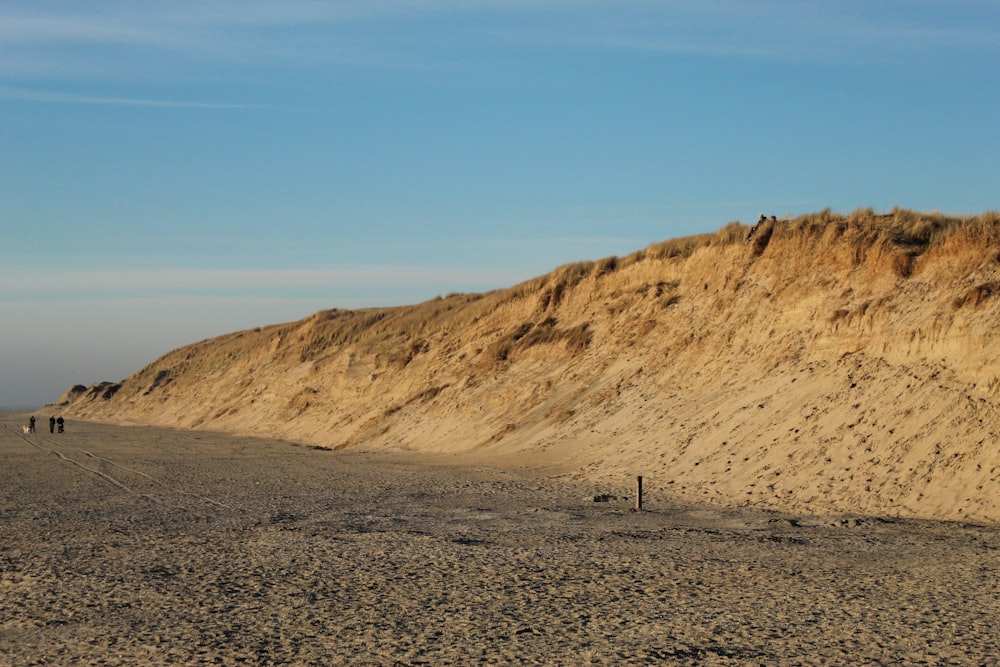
638, 493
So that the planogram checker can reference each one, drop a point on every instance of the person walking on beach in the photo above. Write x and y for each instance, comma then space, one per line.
62, 423
52, 424
31, 424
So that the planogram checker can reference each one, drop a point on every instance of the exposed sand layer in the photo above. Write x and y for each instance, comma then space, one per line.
833, 365
137, 545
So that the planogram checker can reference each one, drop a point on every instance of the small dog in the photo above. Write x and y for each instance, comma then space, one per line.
27, 429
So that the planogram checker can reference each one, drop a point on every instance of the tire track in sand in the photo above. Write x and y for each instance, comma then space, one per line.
106, 477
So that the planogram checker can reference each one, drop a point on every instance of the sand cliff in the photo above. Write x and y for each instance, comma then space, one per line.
830, 364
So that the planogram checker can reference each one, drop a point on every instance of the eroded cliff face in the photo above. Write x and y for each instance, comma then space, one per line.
828, 364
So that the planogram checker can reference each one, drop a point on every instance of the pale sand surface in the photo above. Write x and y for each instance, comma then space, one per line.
126, 546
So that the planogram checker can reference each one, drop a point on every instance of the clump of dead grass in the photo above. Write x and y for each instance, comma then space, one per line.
897, 240
529, 334
903, 227
679, 248
606, 266
975, 242
977, 295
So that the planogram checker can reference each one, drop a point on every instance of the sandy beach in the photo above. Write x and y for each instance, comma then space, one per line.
139, 545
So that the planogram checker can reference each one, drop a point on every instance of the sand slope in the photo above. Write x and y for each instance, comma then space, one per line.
831, 364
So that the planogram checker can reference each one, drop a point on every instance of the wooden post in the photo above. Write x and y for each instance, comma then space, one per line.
638, 493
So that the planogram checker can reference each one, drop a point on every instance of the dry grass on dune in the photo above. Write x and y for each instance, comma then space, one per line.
832, 363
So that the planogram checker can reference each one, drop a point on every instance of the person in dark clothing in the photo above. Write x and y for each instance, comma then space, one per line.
52, 424
62, 423
753, 230
31, 424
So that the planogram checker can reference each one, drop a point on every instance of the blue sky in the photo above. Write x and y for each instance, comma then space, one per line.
176, 170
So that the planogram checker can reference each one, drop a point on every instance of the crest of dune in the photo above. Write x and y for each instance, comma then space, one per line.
827, 364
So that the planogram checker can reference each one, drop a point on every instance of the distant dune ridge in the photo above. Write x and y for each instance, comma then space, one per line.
829, 364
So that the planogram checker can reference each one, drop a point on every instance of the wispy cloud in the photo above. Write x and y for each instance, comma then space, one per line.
27, 95
113, 41
774, 29
180, 37
32, 24
21, 285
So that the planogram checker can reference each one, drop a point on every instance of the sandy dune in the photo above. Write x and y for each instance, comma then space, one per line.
833, 365
139, 545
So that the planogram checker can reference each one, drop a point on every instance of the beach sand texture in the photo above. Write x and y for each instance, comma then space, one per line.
149, 546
